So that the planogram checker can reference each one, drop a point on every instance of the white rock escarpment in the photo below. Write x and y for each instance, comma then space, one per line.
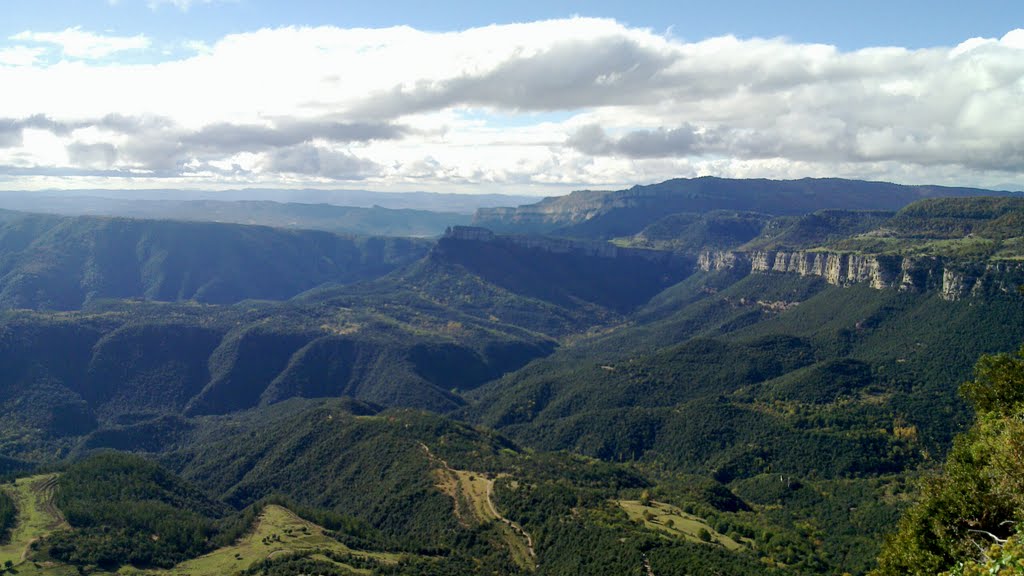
952, 280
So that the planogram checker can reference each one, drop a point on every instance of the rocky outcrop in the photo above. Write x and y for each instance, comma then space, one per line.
840, 269
991, 278
713, 260
952, 280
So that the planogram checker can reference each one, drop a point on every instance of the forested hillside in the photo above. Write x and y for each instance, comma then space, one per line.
719, 390
67, 374
51, 262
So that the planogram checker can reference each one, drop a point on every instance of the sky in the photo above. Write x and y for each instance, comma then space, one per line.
517, 97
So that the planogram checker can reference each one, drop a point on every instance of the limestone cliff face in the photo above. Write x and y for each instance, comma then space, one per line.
724, 260
953, 280
841, 269
974, 280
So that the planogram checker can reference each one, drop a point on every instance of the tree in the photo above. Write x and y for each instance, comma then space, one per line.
1006, 559
979, 498
998, 386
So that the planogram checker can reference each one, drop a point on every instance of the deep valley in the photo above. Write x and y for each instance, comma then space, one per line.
702, 376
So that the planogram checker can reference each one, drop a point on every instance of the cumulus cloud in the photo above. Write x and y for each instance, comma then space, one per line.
231, 138
660, 143
573, 74
159, 144
100, 154
811, 103
568, 103
78, 43
310, 160
12, 130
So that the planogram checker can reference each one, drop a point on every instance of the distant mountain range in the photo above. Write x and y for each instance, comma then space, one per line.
368, 221
431, 201
606, 214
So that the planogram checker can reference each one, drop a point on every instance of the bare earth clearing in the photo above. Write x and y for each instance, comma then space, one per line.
472, 494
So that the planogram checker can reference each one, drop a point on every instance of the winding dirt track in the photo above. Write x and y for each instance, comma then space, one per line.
511, 524
516, 528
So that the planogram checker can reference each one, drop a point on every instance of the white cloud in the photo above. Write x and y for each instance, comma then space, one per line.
99, 155
77, 43
20, 56
615, 105
319, 162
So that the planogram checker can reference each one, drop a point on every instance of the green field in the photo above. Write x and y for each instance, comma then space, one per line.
672, 520
37, 515
278, 531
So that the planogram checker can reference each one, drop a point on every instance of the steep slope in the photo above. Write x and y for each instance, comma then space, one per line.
597, 214
812, 403
49, 262
586, 283
327, 456
471, 311
742, 380
68, 373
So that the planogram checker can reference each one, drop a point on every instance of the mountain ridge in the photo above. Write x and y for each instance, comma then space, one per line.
615, 213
